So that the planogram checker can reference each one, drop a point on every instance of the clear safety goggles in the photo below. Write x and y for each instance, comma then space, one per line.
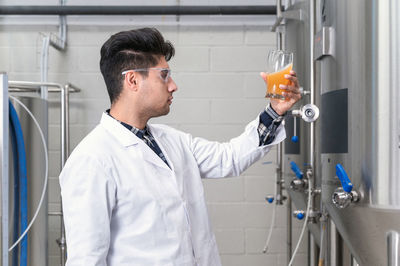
164, 73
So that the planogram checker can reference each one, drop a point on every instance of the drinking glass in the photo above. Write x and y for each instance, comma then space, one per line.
279, 63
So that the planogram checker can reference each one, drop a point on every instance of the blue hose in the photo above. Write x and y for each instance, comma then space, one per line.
23, 182
16, 192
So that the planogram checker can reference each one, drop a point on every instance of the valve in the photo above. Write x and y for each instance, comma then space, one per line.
299, 174
308, 113
295, 138
269, 198
344, 179
304, 92
299, 214
343, 196
299, 183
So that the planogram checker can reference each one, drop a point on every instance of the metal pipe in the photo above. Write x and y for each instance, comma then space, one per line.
288, 229
280, 44
33, 86
44, 60
393, 248
64, 156
4, 166
279, 16
279, 179
279, 153
312, 250
58, 42
15, 89
334, 250
67, 88
312, 79
138, 10
54, 213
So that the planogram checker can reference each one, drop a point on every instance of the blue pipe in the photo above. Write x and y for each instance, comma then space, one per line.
16, 192
23, 182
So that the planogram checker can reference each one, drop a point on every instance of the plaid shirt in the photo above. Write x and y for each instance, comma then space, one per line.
269, 122
145, 135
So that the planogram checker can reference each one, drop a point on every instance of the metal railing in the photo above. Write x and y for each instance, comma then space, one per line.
64, 90
138, 10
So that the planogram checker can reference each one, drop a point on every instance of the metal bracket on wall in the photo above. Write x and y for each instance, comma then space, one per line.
296, 14
324, 43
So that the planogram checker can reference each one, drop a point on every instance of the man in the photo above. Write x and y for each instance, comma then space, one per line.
132, 192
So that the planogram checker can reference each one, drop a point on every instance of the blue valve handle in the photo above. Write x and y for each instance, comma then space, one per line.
344, 179
300, 216
296, 170
270, 200
295, 139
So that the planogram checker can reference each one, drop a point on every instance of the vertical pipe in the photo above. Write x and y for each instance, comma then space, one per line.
44, 60
279, 153
354, 261
288, 230
333, 245
279, 179
311, 167
64, 156
312, 80
312, 250
4, 123
393, 248
280, 46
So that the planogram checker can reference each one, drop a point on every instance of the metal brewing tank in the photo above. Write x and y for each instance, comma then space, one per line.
358, 53
297, 40
38, 234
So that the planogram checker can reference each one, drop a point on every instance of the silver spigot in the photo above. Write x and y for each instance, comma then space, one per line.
304, 92
344, 195
299, 184
342, 199
309, 113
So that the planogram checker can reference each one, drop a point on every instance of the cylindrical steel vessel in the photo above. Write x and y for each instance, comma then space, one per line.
35, 159
358, 48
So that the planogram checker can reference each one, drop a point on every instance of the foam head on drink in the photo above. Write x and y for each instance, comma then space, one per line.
275, 79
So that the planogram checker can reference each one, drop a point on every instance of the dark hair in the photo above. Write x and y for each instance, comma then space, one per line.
140, 48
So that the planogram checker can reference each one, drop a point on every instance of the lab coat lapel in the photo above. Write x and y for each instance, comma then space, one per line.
131, 141
158, 136
150, 156
121, 133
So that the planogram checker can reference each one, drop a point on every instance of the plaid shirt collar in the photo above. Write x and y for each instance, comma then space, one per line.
140, 133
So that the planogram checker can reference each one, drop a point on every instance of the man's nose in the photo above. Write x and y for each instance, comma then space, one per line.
172, 87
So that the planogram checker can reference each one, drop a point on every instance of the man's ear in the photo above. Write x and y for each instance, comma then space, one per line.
132, 80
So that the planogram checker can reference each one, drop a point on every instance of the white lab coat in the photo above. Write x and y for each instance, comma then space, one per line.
124, 206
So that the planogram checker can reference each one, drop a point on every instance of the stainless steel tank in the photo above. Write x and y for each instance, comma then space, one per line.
358, 54
38, 234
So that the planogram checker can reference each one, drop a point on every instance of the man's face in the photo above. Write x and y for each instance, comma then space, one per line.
156, 90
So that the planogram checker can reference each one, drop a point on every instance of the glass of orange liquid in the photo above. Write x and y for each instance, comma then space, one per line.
278, 65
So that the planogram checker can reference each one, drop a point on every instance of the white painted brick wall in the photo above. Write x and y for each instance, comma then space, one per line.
217, 72
238, 59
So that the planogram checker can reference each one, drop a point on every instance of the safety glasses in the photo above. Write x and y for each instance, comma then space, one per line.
164, 73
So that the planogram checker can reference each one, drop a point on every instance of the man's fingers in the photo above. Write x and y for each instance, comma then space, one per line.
289, 94
288, 88
292, 79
